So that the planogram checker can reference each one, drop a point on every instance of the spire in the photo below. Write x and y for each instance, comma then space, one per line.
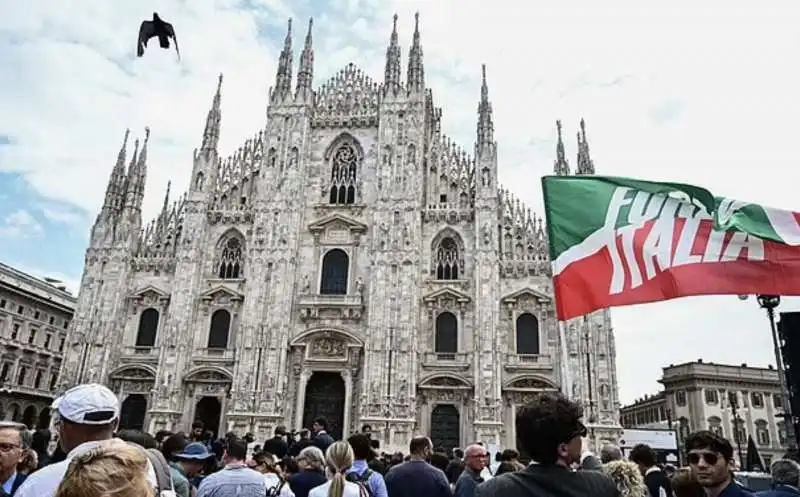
585, 163
391, 83
416, 72
560, 166
164, 215
305, 73
137, 175
485, 135
116, 182
130, 179
283, 80
211, 133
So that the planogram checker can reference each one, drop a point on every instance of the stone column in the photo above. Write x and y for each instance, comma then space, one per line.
348, 402
301, 397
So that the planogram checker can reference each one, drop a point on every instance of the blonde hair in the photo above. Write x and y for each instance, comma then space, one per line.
113, 469
627, 478
339, 457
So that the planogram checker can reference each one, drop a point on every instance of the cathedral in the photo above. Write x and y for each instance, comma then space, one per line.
348, 261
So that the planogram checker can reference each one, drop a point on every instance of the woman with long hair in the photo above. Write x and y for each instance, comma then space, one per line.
627, 477
338, 458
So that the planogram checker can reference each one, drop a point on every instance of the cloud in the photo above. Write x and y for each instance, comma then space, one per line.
701, 93
20, 224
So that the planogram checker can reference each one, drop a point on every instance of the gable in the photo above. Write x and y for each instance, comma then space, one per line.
338, 222
219, 292
150, 291
527, 293
447, 294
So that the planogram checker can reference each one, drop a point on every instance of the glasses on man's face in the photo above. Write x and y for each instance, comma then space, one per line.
709, 457
581, 431
7, 447
480, 455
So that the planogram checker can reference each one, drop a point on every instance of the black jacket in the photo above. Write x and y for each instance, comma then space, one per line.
549, 481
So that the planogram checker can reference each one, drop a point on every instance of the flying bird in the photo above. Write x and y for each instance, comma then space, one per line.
157, 27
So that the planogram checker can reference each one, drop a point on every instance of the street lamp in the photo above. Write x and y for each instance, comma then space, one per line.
588, 355
737, 432
769, 303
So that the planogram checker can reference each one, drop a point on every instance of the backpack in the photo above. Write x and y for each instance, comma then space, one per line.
163, 473
362, 481
276, 490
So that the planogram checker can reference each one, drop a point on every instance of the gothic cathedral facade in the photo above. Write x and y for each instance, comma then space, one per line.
349, 261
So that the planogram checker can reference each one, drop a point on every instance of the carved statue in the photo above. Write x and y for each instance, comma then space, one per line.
306, 284
359, 286
487, 235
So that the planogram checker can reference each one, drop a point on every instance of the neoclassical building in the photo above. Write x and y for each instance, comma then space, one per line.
349, 261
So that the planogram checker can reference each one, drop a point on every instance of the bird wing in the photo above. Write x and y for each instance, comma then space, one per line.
146, 31
171, 33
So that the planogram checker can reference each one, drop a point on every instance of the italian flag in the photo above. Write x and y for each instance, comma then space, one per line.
621, 241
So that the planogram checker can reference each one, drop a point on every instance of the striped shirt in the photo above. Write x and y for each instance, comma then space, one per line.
233, 481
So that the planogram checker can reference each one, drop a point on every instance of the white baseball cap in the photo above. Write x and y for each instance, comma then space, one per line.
89, 404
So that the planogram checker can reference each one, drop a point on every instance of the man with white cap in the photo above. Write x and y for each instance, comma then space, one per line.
86, 417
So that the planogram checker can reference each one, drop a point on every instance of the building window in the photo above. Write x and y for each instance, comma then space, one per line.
15, 331
335, 269
4, 372
53, 381
148, 326
733, 399
781, 432
47, 340
32, 336
777, 401
757, 400
61, 345
66, 324
23, 372
37, 382
36, 315
715, 426
680, 398
446, 335
52, 320
762, 432
2, 303
231, 259
447, 260
712, 396
527, 334
344, 172
220, 329
739, 432
20, 309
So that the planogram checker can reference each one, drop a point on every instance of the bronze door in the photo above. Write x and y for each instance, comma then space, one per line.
445, 427
325, 395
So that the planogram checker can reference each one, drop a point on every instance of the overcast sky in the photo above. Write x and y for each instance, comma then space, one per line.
703, 92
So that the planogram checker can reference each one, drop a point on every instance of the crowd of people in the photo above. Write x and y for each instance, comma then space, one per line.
93, 459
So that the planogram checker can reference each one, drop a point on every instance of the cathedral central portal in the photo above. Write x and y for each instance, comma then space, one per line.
325, 396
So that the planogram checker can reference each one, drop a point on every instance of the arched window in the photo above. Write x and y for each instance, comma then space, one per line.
446, 336
220, 329
527, 334
335, 268
757, 400
715, 425
344, 171
739, 431
447, 260
231, 259
680, 397
148, 325
781, 432
762, 432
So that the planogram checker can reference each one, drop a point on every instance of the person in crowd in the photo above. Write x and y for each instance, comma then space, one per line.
235, 478
87, 417
288, 466
456, 466
321, 437
550, 430
512, 456
439, 460
505, 467
657, 481
171, 446
198, 432
109, 468
627, 477
277, 445
476, 459
139, 438
189, 463
711, 459
29, 462
12, 452
339, 459
311, 465
265, 463
498, 459
685, 484
785, 479
162, 435
416, 477
360, 472
610, 453
40, 442
302, 443
590, 462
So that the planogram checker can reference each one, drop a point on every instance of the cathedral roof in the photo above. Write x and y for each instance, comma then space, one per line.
349, 92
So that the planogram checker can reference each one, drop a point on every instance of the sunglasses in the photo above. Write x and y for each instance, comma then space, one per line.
709, 457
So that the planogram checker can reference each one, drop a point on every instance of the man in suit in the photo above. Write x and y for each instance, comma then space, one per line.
550, 431
321, 437
14, 440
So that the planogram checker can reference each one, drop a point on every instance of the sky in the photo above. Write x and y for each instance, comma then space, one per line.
696, 92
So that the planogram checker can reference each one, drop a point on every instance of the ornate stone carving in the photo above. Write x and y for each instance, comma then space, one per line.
328, 347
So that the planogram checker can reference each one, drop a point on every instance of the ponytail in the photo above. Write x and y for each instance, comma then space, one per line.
337, 485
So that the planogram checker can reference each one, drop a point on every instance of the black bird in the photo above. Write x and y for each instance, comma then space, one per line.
157, 27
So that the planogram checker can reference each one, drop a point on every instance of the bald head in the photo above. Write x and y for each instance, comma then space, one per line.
473, 450
476, 457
